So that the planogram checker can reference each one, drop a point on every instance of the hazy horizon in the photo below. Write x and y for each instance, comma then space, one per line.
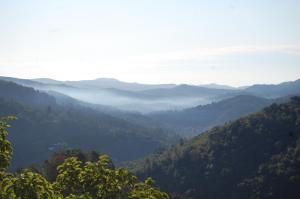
229, 42
146, 83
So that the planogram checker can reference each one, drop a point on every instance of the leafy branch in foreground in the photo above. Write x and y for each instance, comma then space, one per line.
75, 180
5, 146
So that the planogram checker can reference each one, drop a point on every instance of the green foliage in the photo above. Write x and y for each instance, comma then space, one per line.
98, 180
75, 180
5, 146
49, 167
27, 185
254, 157
280, 176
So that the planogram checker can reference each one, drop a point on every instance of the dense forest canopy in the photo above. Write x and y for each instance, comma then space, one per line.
254, 157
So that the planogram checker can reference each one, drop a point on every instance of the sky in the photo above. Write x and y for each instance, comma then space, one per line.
233, 42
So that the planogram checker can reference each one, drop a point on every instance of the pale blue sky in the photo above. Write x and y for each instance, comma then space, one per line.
235, 42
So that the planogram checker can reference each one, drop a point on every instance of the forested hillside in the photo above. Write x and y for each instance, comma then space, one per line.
25, 95
43, 126
75, 178
253, 157
192, 121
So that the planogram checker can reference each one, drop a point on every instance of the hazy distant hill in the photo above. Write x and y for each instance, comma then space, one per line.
110, 92
274, 91
27, 96
107, 83
145, 98
47, 81
217, 86
185, 90
253, 157
193, 121
45, 85
26, 82
43, 125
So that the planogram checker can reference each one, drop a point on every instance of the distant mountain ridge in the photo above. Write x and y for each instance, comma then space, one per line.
47, 81
103, 92
274, 91
45, 122
104, 83
146, 98
218, 86
192, 121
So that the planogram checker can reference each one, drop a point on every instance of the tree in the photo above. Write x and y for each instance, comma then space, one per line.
5, 146
75, 180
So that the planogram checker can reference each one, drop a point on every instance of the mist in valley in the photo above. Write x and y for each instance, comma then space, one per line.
140, 103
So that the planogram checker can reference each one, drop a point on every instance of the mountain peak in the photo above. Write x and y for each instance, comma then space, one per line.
47, 81
106, 79
218, 86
